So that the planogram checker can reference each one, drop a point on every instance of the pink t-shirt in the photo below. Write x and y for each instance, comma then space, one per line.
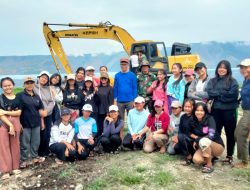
158, 92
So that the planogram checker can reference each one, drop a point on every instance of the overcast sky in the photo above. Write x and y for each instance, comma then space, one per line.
166, 20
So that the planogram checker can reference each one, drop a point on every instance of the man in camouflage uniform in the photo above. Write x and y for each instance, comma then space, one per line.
145, 79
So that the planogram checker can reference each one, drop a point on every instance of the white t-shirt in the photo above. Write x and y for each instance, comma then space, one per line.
134, 60
61, 133
200, 86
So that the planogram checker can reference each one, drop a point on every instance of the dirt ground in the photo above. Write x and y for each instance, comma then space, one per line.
128, 170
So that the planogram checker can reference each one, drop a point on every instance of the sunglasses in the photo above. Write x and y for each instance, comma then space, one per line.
29, 82
104, 79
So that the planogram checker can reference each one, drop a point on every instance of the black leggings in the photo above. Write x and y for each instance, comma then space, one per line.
185, 145
45, 137
59, 150
138, 143
101, 118
111, 143
87, 148
226, 119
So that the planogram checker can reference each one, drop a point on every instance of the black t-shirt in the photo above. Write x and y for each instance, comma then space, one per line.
30, 105
10, 105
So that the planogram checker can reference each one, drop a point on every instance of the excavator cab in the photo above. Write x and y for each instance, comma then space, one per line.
180, 49
154, 51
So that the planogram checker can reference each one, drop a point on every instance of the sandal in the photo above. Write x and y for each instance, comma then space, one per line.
23, 165
187, 162
59, 162
38, 160
16, 172
228, 159
5, 176
207, 169
91, 154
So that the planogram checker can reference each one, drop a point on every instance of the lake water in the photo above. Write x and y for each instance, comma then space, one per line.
19, 78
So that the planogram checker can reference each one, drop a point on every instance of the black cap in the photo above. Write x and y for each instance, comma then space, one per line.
199, 65
65, 111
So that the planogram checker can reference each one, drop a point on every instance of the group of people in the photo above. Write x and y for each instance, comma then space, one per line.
73, 119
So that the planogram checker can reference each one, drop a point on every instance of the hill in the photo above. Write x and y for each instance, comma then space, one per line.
211, 53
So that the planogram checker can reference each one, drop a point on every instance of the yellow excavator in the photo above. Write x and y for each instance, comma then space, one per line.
154, 51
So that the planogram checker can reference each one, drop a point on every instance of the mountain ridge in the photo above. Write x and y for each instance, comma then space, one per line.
210, 53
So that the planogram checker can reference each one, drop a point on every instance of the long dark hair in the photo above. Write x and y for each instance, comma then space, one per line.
59, 82
108, 83
7, 78
91, 89
228, 76
181, 74
204, 107
67, 85
165, 80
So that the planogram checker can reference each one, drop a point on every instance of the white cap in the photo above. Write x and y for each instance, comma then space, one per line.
89, 68
44, 73
139, 100
113, 108
245, 62
204, 143
87, 78
87, 107
71, 76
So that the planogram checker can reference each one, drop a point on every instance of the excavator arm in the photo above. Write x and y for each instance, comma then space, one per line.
87, 31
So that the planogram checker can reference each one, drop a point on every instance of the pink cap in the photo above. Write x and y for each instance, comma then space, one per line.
189, 72
158, 103
124, 60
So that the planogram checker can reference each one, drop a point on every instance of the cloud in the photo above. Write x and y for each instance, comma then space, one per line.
169, 21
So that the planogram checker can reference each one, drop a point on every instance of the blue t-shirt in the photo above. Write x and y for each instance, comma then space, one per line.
125, 87
84, 129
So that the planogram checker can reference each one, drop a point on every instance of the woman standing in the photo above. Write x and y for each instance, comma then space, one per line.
32, 111
10, 108
176, 85
42, 89
207, 141
224, 91
106, 95
90, 96
56, 89
72, 97
243, 128
198, 88
159, 87
112, 135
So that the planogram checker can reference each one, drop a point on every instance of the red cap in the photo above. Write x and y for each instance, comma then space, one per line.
189, 72
124, 60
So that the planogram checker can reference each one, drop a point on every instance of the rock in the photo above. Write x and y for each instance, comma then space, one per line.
38, 185
79, 187
54, 180
71, 186
39, 176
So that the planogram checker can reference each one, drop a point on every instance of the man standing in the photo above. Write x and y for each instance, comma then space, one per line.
145, 80
125, 88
